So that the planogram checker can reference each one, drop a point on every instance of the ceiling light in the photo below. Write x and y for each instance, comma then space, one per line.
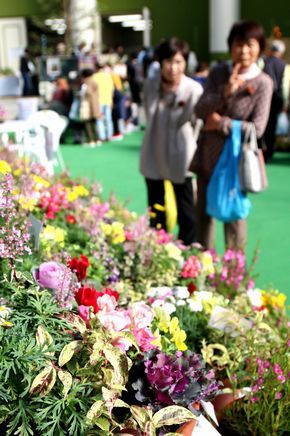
133, 23
120, 18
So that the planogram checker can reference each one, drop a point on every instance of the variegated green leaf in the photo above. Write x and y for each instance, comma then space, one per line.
172, 415
44, 381
68, 351
95, 411
141, 415
120, 403
43, 338
66, 379
150, 428
76, 321
118, 360
103, 423
96, 354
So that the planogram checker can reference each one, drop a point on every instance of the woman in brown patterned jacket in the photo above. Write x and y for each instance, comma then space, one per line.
236, 90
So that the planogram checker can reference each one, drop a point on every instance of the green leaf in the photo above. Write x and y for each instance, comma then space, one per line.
172, 415
68, 351
75, 320
103, 423
141, 415
44, 381
43, 338
95, 411
150, 428
66, 379
118, 360
95, 356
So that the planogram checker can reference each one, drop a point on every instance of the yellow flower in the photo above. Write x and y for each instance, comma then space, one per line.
174, 324
51, 235
157, 342
173, 251
178, 337
207, 262
17, 172
75, 192
159, 207
40, 181
27, 203
163, 319
4, 167
274, 298
117, 234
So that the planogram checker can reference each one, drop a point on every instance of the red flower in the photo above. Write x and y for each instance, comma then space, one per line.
110, 292
191, 288
79, 266
86, 296
70, 219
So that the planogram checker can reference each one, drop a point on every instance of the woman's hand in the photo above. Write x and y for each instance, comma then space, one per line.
234, 82
212, 122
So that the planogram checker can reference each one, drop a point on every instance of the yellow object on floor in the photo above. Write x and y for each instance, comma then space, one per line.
170, 206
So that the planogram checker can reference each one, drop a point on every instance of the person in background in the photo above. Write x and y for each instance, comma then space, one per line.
27, 70
233, 91
274, 66
62, 97
169, 140
105, 83
201, 73
89, 107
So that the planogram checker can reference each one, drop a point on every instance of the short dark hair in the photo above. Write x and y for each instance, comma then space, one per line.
171, 47
86, 72
245, 30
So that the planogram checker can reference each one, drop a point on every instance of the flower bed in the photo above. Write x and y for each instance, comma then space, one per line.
110, 327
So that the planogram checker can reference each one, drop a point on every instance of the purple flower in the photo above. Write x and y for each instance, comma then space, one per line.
254, 399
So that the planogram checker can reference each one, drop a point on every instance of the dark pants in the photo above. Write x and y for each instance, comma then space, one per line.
185, 207
90, 129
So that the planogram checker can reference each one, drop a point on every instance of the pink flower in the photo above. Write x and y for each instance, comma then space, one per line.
122, 343
115, 321
191, 268
141, 315
84, 312
163, 237
106, 303
254, 399
51, 275
278, 396
144, 338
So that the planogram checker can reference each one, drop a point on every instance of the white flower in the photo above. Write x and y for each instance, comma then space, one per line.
229, 321
255, 297
180, 303
160, 291
169, 308
194, 305
181, 292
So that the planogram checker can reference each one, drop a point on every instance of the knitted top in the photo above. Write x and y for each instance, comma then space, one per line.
251, 102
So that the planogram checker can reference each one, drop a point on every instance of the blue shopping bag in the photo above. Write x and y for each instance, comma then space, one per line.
225, 200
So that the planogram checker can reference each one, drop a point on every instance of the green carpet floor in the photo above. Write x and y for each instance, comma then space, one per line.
115, 166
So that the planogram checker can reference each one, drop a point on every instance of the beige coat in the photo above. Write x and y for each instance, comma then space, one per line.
170, 138
89, 106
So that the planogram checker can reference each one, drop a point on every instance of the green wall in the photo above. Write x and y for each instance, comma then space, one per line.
186, 19
269, 13
19, 8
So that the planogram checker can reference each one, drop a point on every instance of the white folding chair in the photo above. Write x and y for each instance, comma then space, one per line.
53, 125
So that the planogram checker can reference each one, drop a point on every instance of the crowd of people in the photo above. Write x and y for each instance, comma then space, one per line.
189, 108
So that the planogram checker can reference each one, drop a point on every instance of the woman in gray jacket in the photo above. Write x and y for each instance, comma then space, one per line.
170, 141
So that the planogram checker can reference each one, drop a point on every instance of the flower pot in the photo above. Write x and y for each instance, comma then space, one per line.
224, 400
187, 428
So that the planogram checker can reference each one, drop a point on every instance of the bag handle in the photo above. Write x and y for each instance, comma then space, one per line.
250, 137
